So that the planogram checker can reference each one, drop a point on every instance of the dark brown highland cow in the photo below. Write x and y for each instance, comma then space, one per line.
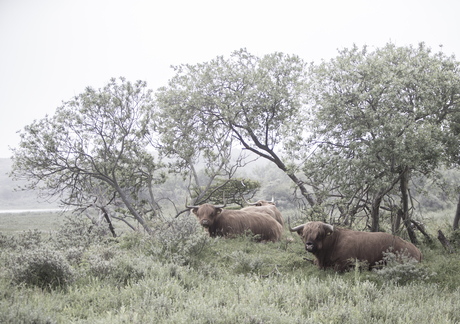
339, 248
224, 222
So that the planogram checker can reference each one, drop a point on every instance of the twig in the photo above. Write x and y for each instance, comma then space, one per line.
273, 271
445, 242
420, 228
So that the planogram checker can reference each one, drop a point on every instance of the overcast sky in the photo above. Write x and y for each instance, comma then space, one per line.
50, 50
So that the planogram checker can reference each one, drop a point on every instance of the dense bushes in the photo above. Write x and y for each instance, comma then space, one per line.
181, 275
399, 267
38, 266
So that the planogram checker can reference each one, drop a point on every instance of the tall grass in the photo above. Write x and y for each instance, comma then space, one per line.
182, 276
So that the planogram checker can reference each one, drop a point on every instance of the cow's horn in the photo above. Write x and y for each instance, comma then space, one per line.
247, 202
190, 207
273, 198
221, 206
330, 227
295, 229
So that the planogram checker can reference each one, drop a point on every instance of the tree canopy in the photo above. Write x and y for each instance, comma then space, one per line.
378, 117
93, 151
350, 133
244, 100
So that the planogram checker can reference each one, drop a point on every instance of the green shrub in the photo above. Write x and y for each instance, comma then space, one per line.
401, 268
27, 239
74, 255
76, 231
110, 263
179, 241
41, 267
18, 313
245, 263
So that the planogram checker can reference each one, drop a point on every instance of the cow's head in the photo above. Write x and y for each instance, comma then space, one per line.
313, 234
206, 213
261, 202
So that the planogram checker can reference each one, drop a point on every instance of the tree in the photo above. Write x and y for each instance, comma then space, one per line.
93, 151
378, 118
229, 190
244, 100
452, 147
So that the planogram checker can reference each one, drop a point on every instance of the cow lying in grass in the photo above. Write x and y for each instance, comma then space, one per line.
340, 248
229, 223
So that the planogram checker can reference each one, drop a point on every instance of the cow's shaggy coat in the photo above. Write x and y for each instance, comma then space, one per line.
228, 223
269, 207
269, 210
339, 248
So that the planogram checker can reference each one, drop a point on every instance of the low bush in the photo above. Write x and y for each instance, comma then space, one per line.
40, 266
114, 264
26, 239
179, 241
401, 268
77, 231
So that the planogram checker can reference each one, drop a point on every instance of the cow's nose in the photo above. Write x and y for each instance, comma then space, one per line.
205, 223
309, 246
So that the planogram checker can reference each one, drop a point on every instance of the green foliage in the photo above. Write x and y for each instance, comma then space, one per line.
231, 189
377, 116
77, 231
180, 241
245, 263
400, 268
244, 100
26, 239
111, 264
139, 278
39, 266
92, 150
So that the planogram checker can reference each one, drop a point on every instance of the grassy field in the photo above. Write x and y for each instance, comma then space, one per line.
17, 222
182, 276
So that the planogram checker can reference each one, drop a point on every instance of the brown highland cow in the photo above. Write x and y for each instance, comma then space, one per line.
228, 223
340, 248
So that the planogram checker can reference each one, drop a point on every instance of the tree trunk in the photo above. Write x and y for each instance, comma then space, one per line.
457, 215
132, 210
405, 205
375, 212
422, 230
445, 242
397, 222
303, 190
107, 218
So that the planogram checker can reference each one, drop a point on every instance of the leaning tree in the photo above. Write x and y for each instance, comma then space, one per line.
378, 117
250, 101
93, 152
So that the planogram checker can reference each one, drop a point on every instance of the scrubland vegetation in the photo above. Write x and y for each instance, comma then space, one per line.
75, 274
368, 140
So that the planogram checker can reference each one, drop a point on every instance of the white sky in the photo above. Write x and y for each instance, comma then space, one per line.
50, 50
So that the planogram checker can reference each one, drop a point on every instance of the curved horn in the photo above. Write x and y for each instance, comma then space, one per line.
189, 207
295, 229
247, 202
221, 206
329, 227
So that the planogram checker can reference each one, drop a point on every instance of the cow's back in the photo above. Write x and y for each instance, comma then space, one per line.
236, 222
271, 210
366, 246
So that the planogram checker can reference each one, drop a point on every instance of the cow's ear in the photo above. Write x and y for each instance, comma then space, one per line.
218, 211
328, 228
194, 210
